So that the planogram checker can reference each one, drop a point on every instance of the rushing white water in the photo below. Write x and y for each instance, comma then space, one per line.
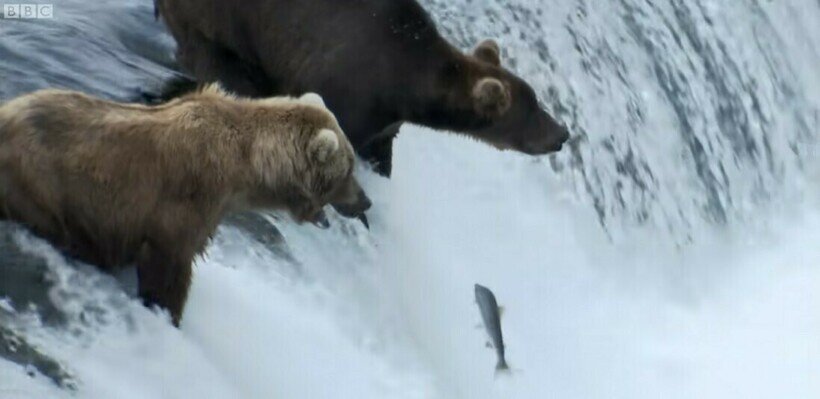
670, 252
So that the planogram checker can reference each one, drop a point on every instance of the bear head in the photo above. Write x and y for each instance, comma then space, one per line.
315, 168
509, 106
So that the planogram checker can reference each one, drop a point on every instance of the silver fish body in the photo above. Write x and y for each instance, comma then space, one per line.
492, 322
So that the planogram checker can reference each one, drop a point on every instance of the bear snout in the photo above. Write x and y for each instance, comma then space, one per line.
551, 142
355, 207
353, 203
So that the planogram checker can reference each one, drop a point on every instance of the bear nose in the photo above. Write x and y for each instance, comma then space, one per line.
364, 201
355, 208
564, 135
547, 143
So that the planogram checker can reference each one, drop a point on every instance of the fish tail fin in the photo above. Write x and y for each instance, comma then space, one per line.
502, 369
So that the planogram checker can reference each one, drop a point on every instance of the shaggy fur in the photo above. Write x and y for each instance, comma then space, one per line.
377, 63
113, 184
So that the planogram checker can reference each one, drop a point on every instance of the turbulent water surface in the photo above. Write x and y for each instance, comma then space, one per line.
670, 251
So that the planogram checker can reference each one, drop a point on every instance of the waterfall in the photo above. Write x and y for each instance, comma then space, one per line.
668, 251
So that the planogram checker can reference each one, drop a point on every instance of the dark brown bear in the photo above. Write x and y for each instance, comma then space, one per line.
377, 63
114, 184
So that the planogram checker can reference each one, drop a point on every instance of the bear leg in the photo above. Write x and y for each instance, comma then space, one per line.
175, 87
379, 151
211, 62
164, 277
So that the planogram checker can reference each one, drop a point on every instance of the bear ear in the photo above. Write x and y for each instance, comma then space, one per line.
323, 145
489, 52
491, 97
313, 99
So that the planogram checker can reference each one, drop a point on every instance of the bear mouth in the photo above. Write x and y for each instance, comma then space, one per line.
320, 220
541, 149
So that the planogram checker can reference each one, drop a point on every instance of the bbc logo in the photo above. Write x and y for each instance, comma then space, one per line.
28, 11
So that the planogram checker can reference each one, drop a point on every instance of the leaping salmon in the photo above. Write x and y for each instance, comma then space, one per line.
490, 314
